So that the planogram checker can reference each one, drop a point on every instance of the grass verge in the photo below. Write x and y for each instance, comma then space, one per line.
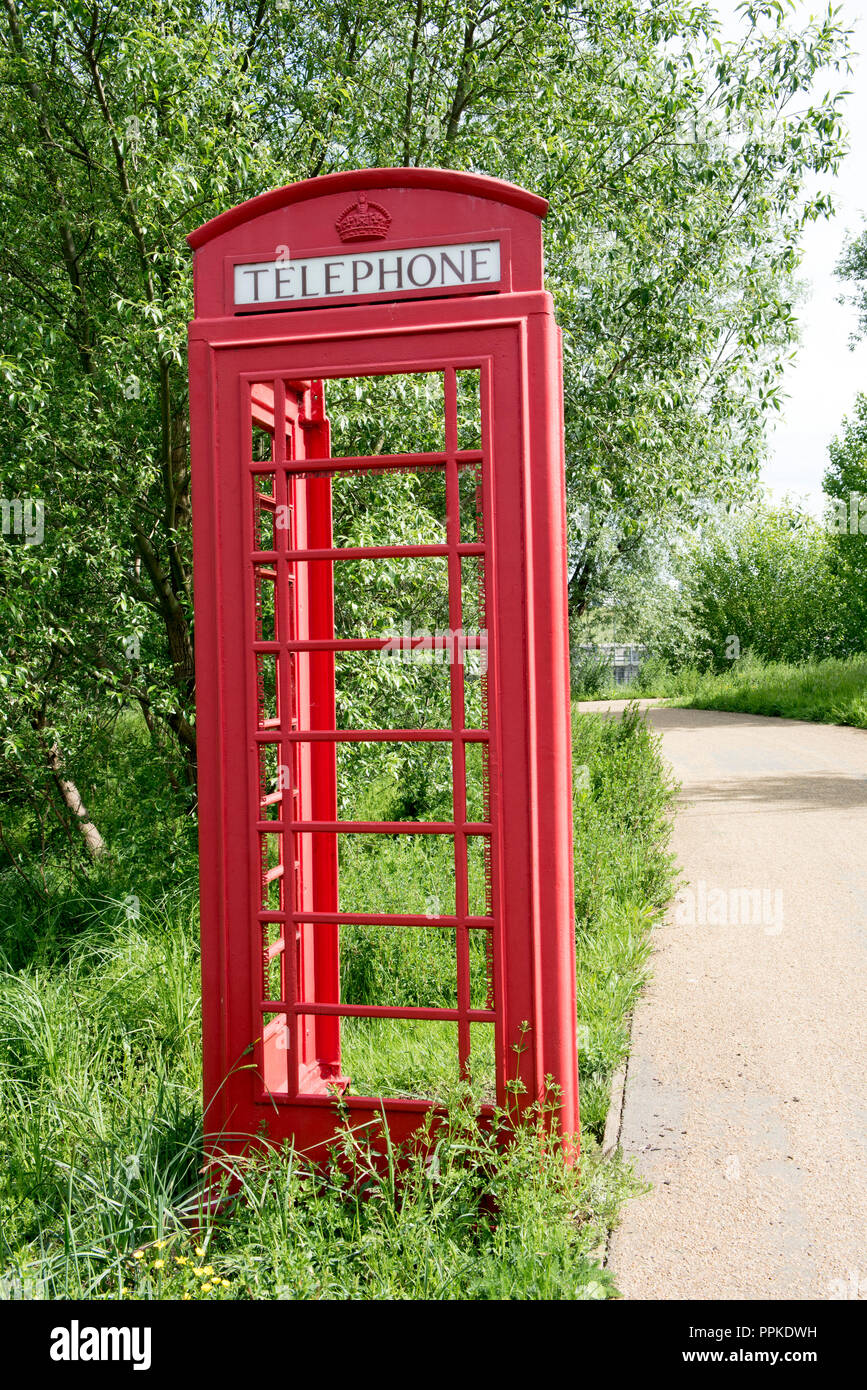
825, 692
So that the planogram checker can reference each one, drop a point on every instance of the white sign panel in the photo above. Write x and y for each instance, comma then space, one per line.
368, 273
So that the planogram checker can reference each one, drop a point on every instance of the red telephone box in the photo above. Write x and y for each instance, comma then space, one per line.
406, 305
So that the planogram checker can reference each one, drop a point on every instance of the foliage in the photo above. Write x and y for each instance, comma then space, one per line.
678, 327
759, 579
846, 488
852, 266
125, 771
590, 674
762, 578
675, 163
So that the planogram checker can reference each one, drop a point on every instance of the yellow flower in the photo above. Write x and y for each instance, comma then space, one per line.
206, 1287
138, 1254
123, 1290
159, 1244
225, 1283
199, 1273
180, 1259
185, 1296
200, 1250
209, 1269
158, 1264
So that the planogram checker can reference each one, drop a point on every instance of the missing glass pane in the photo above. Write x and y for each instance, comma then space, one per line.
267, 704
264, 509
481, 944
400, 1057
261, 446
469, 409
272, 961
381, 689
477, 781
394, 781
389, 414
264, 600
483, 1063
271, 871
402, 967
470, 494
405, 597
479, 875
381, 873
473, 596
374, 507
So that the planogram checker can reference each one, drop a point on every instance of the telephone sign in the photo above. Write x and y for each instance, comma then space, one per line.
287, 281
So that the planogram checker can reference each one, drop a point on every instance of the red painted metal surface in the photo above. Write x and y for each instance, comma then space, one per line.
266, 647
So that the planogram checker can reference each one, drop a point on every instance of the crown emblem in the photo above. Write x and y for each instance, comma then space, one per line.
364, 221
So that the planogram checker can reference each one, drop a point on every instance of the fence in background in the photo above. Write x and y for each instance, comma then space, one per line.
624, 659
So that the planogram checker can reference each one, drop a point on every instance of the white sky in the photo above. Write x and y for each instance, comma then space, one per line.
821, 385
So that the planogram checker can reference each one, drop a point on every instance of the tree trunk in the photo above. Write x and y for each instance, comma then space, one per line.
72, 798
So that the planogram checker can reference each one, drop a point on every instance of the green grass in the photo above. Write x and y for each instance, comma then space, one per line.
623, 879
826, 692
100, 1066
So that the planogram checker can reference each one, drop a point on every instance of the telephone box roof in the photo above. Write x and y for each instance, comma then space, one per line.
446, 180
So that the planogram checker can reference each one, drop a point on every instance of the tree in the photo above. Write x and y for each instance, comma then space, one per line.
852, 266
760, 580
846, 487
674, 162
685, 316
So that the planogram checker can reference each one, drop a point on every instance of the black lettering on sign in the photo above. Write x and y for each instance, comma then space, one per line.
413, 275
333, 271
475, 257
255, 274
358, 275
446, 260
396, 270
281, 282
390, 273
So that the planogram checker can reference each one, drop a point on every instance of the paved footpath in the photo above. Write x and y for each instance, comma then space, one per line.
746, 1093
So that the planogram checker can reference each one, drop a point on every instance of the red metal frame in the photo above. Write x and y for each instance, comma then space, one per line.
282, 1079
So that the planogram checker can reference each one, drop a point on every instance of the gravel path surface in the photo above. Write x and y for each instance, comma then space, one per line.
746, 1095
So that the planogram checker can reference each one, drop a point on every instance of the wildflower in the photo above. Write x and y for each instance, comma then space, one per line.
200, 1250
181, 1260
158, 1264
138, 1254
209, 1269
206, 1287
